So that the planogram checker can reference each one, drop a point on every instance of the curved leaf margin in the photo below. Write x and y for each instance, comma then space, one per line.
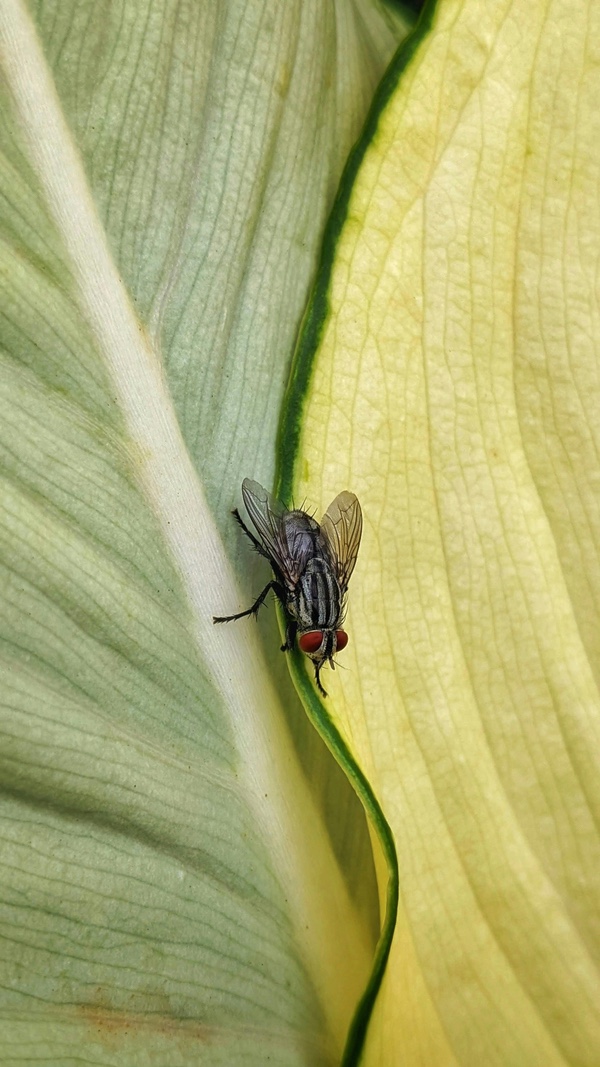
288, 455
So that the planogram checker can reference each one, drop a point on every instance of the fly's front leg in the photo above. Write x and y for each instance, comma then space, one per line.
277, 589
290, 635
259, 548
318, 679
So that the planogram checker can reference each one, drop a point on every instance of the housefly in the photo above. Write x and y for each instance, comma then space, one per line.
311, 562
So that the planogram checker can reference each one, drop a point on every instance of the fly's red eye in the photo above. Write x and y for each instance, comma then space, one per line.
310, 642
341, 638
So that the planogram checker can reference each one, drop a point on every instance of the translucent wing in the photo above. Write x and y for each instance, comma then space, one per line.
341, 528
287, 536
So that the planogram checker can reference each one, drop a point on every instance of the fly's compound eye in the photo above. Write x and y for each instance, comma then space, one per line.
311, 642
341, 638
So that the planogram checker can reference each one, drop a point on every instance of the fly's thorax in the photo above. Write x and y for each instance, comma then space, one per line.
317, 597
300, 541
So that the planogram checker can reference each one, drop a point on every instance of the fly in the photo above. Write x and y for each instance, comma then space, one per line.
311, 562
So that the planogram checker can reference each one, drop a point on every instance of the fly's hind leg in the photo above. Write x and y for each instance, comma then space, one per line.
277, 589
290, 636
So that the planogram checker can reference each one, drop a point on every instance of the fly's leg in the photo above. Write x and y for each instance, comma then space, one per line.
290, 636
277, 589
259, 548
318, 678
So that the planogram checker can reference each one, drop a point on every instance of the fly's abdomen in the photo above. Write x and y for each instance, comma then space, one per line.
317, 597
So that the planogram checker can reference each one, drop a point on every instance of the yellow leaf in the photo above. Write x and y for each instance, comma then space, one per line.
448, 375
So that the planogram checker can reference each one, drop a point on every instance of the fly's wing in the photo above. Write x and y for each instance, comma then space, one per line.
341, 528
269, 517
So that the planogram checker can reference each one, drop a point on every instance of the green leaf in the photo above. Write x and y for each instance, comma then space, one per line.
173, 890
448, 374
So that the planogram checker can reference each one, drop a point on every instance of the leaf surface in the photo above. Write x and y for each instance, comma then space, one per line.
163, 854
448, 375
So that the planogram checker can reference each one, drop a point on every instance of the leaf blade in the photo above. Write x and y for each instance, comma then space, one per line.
470, 697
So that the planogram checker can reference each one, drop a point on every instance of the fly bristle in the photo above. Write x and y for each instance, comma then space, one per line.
308, 511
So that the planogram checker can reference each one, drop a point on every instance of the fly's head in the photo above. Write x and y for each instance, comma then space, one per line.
321, 646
